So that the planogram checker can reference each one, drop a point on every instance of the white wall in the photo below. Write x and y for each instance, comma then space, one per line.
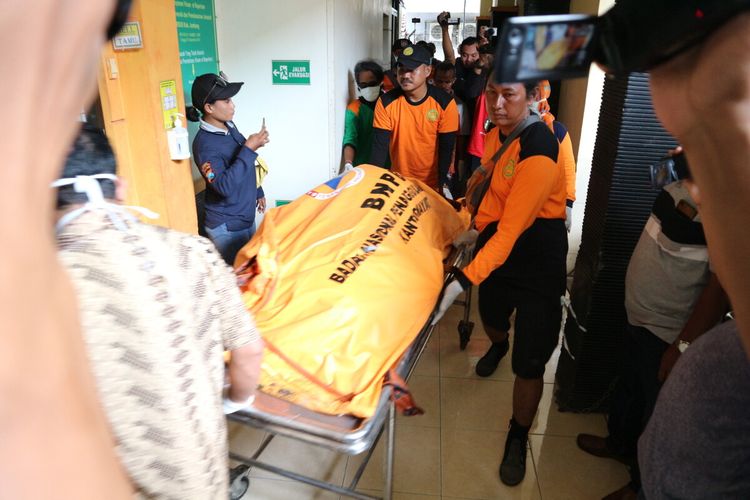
306, 123
357, 33
580, 103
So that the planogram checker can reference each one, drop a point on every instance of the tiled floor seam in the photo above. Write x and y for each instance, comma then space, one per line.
536, 470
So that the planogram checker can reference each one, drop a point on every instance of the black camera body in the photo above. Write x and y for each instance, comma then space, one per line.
632, 36
447, 19
669, 169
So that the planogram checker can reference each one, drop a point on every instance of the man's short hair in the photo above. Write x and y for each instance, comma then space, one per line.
469, 40
445, 67
90, 154
368, 65
529, 87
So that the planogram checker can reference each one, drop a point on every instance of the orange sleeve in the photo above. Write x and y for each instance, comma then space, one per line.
449, 119
491, 145
382, 120
569, 162
535, 180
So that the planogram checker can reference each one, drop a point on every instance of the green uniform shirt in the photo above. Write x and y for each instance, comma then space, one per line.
358, 130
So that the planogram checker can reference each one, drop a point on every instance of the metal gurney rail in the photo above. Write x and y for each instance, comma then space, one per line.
342, 434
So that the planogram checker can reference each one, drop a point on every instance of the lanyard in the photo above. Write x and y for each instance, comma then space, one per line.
89, 184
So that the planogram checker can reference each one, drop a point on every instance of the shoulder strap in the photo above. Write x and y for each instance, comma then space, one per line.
488, 169
532, 118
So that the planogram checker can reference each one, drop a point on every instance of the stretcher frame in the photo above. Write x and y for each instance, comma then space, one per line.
343, 434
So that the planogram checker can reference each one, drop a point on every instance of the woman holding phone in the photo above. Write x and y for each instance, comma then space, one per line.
226, 160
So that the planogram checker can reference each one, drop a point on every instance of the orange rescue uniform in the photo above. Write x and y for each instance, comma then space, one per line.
528, 183
419, 135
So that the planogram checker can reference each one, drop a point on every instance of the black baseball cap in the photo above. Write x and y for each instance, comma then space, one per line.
414, 56
210, 87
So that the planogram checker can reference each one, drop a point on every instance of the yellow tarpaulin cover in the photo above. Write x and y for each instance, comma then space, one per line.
341, 281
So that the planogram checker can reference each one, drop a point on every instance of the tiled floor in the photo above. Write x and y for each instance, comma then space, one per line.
453, 451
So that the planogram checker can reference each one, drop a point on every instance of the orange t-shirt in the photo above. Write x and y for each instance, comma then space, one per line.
527, 183
414, 129
567, 158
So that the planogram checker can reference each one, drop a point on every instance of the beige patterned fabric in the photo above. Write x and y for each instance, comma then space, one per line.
158, 308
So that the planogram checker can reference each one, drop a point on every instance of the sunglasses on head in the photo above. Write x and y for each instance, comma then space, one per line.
221, 81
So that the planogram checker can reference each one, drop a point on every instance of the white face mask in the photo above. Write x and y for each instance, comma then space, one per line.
89, 184
539, 107
370, 94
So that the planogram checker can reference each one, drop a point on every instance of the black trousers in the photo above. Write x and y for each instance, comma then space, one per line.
635, 394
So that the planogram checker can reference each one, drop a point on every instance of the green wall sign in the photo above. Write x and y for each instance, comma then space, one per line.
290, 72
196, 32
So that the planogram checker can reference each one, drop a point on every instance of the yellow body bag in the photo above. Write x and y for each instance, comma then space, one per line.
340, 282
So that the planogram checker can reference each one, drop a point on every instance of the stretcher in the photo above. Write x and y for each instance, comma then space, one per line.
342, 434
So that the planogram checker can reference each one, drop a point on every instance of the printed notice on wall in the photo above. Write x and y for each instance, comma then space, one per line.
196, 33
169, 108
129, 37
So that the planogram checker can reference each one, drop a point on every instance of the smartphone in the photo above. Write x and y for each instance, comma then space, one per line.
533, 48
669, 169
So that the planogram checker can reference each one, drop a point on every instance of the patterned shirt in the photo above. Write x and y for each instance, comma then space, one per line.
158, 308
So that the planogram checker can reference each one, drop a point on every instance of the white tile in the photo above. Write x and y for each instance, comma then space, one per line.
551, 421
417, 462
471, 463
302, 458
426, 394
270, 489
566, 473
476, 404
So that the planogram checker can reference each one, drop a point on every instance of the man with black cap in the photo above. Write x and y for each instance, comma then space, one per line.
416, 123
390, 81
226, 161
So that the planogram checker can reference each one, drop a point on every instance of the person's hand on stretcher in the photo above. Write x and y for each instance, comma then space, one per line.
459, 283
243, 374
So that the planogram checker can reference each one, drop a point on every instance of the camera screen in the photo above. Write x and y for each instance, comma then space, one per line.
549, 48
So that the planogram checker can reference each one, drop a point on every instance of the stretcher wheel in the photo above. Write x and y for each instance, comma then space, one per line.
464, 333
238, 482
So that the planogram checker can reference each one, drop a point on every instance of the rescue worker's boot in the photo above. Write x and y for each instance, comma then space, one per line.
513, 466
487, 364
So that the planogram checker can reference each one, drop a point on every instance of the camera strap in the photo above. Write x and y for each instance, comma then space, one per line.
482, 176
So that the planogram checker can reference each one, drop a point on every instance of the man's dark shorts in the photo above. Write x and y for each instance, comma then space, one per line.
531, 282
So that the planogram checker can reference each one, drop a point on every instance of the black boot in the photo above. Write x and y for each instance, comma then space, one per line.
513, 466
487, 364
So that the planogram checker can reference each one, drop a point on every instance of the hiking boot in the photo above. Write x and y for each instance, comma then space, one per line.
487, 364
513, 466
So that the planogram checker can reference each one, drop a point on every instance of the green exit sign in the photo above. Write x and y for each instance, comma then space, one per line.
290, 72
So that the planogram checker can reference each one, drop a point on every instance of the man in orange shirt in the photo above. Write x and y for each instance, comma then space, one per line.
566, 157
417, 123
520, 261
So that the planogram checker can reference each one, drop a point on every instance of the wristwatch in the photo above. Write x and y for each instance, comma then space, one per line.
682, 345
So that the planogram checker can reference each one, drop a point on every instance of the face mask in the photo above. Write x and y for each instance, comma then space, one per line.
89, 184
540, 107
370, 94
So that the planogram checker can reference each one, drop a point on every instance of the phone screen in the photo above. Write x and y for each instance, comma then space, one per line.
558, 47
